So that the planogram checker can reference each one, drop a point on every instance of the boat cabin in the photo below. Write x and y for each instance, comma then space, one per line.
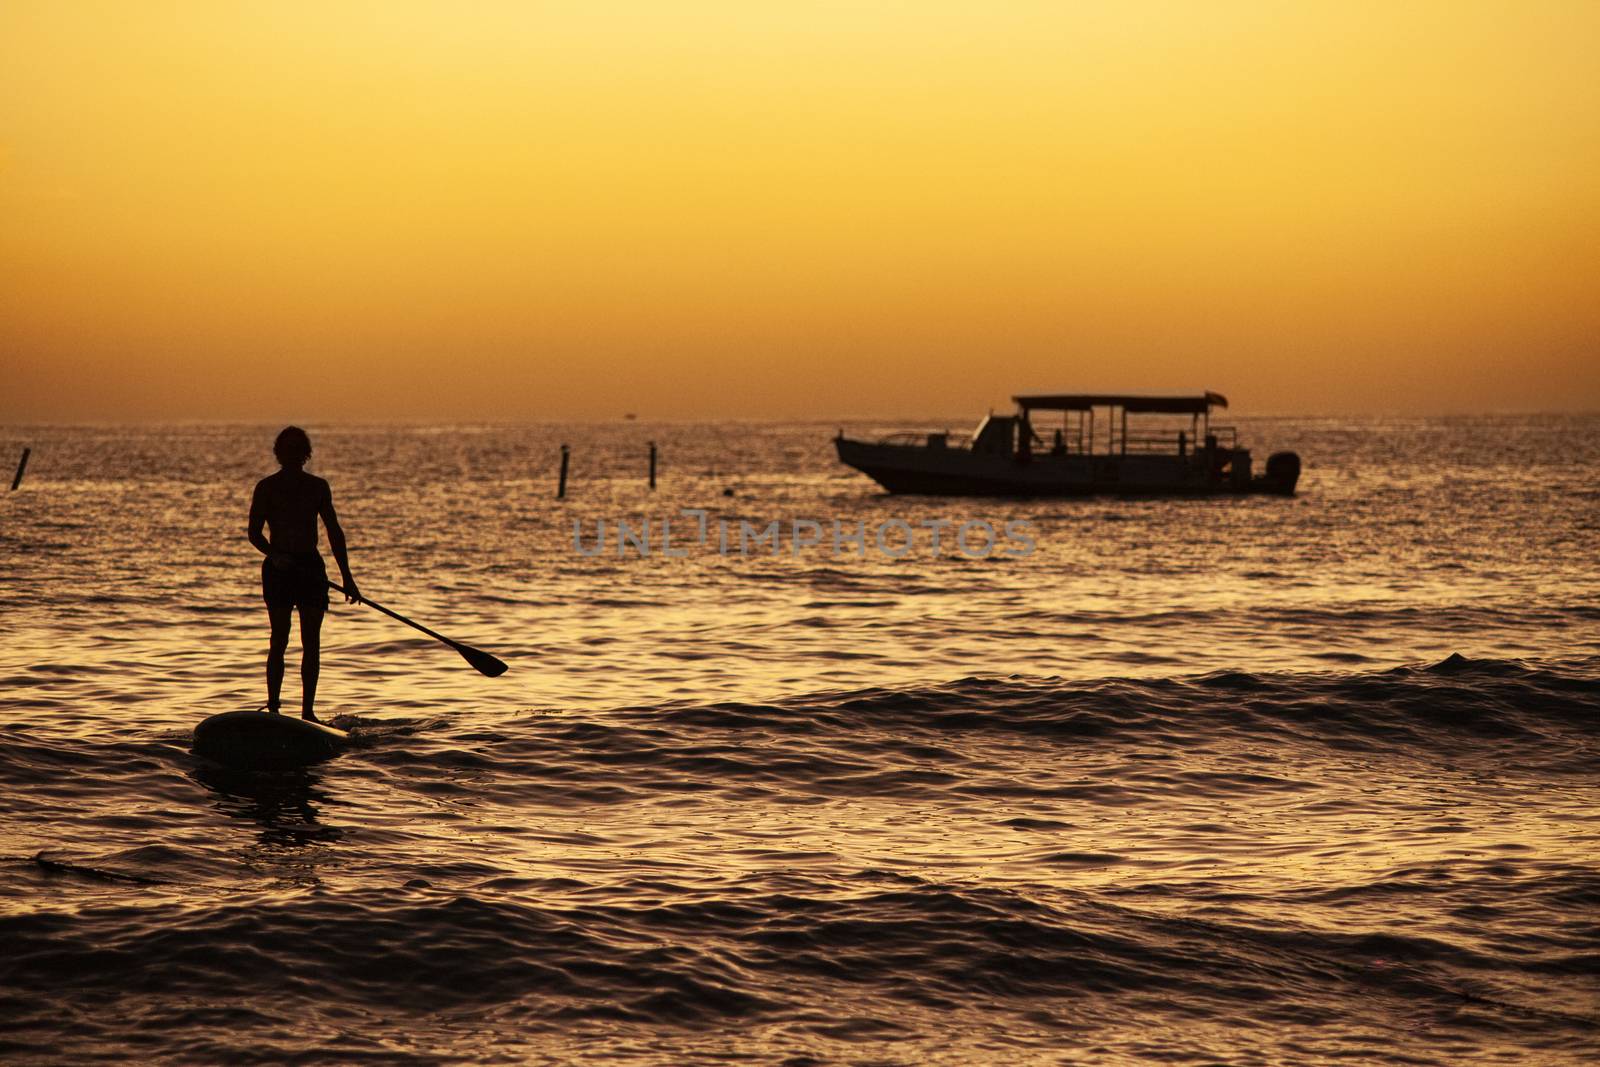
1077, 435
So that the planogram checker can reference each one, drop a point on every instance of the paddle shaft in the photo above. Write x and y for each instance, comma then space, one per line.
481, 661
396, 615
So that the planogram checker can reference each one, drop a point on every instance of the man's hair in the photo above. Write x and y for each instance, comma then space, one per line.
293, 446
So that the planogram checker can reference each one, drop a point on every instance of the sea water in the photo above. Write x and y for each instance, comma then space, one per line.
1242, 780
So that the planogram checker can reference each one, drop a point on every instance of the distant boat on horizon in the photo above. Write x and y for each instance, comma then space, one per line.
1005, 456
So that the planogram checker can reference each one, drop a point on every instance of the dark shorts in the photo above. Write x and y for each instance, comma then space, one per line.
304, 587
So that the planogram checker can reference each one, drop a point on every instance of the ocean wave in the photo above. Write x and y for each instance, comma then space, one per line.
1457, 702
898, 948
1341, 852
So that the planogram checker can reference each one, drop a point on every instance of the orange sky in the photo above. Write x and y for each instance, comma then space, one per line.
521, 210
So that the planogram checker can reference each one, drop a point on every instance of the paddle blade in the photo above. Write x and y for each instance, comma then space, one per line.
481, 661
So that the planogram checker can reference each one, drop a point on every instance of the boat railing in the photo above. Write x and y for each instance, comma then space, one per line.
1177, 442
1150, 444
923, 439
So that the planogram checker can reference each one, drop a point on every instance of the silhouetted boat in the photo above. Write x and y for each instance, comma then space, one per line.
1007, 457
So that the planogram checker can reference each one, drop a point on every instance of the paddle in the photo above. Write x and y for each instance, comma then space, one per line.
481, 661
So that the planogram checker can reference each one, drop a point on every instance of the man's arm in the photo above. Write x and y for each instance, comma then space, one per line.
258, 520
341, 555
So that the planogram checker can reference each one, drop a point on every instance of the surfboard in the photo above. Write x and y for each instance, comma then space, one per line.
261, 740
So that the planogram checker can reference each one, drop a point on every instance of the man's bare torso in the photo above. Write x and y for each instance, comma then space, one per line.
290, 502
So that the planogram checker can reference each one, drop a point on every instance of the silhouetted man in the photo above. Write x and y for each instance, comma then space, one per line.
293, 576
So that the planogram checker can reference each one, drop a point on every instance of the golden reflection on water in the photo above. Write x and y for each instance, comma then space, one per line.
766, 776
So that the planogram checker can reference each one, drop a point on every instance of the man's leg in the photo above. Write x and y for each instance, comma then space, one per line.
279, 614
310, 659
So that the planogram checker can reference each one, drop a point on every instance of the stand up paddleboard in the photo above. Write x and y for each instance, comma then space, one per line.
259, 740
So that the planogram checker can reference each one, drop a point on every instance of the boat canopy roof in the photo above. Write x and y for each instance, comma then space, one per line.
1168, 405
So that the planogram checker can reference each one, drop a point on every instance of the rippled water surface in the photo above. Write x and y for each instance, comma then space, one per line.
1243, 780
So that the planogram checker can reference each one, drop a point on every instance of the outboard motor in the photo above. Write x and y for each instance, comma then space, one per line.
1283, 472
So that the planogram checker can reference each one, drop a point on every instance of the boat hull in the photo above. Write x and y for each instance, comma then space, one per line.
923, 470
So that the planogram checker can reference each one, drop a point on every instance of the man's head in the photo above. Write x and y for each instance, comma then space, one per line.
292, 447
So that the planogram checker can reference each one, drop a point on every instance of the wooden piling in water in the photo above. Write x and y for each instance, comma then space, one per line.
652, 465
561, 487
22, 465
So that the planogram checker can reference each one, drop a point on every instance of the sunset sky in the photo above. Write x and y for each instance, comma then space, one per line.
523, 210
